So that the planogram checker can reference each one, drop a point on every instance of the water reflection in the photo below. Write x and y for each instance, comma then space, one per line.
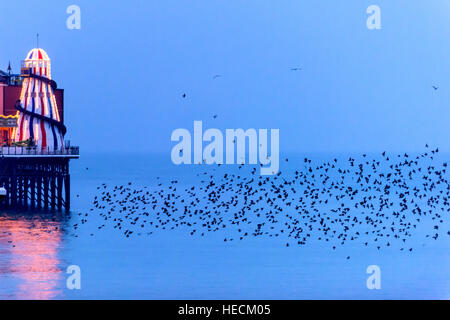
29, 256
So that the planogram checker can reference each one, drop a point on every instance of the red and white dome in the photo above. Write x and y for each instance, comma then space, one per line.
37, 54
38, 61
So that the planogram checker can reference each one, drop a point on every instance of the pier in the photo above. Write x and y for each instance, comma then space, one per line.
36, 178
34, 155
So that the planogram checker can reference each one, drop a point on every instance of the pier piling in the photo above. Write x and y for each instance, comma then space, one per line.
35, 182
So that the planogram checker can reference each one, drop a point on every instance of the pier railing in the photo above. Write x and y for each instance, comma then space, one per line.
38, 151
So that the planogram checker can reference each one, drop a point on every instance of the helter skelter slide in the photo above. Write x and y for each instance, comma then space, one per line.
39, 122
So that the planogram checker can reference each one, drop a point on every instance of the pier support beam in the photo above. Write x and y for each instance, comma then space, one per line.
60, 189
25, 191
39, 192
46, 193
53, 192
32, 192
67, 191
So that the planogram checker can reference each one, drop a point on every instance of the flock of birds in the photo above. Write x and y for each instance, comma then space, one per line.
379, 201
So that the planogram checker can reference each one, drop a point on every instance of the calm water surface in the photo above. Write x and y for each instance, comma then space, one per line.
36, 249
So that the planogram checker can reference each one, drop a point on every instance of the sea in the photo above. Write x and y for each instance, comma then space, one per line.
38, 250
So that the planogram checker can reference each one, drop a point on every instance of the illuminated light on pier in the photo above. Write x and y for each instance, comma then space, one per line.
39, 120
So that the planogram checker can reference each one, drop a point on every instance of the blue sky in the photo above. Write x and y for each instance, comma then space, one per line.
359, 90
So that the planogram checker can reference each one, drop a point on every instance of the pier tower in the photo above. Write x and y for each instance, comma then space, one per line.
39, 120
34, 158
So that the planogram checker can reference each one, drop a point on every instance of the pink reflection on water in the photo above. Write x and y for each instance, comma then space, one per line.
29, 263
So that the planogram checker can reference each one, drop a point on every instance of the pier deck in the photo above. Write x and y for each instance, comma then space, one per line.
15, 152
